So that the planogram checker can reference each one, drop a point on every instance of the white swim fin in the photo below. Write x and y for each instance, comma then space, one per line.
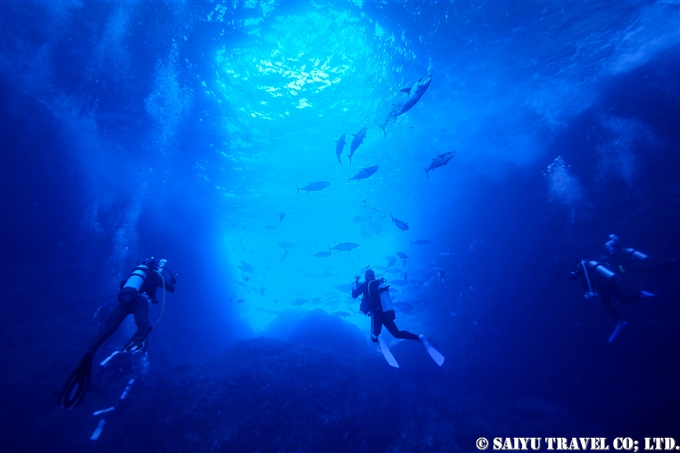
386, 352
619, 326
436, 355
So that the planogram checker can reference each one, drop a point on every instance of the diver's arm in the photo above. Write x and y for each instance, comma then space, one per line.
359, 290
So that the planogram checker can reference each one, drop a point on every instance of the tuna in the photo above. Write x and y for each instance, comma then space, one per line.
339, 146
406, 103
390, 260
314, 186
403, 226
421, 242
439, 161
398, 282
284, 256
246, 267
320, 255
402, 255
356, 141
344, 247
364, 173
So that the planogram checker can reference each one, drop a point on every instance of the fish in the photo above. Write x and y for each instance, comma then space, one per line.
398, 282
246, 267
247, 279
344, 247
439, 161
284, 256
406, 103
314, 186
356, 141
364, 173
281, 217
262, 291
356, 218
402, 255
320, 255
447, 253
403, 226
421, 242
394, 271
268, 311
240, 301
339, 145
344, 287
344, 314
287, 245
390, 260
299, 301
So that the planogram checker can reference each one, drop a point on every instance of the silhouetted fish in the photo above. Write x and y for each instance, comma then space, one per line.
406, 103
439, 161
356, 141
364, 173
403, 226
339, 145
344, 247
314, 186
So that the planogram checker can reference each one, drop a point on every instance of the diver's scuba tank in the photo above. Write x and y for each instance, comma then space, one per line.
635, 254
134, 282
603, 271
385, 298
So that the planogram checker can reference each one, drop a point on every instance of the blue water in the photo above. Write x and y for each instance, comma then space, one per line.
184, 131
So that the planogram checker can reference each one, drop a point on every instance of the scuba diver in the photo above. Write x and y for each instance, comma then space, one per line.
601, 281
377, 303
133, 298
636, 260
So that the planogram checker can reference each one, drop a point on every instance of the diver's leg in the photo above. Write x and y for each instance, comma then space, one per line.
141, 310
116, 317
376, 324
396, 333
606, 298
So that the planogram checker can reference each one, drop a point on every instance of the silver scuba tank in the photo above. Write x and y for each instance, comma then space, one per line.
603, 271
635, 254
385, 298
133, 283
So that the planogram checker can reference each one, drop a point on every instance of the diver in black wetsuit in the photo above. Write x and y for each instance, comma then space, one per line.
136, 291
380, 316
599, 280
632, 259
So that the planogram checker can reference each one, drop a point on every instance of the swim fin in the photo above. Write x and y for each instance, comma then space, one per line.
619, 326
436, 355
76, 386
137, 345
386, 352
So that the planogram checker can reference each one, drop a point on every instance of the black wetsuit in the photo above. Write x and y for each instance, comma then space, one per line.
139, 306
378, 318
608, 287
